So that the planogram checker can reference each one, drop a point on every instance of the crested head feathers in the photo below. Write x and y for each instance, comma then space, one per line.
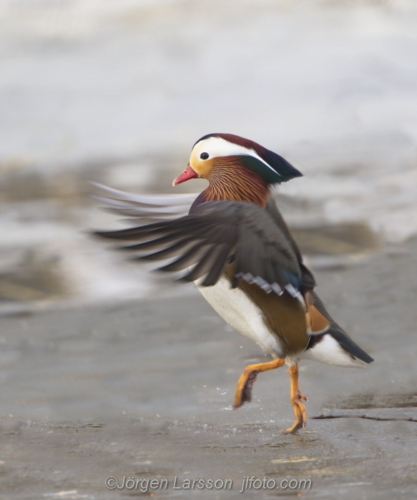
269, 165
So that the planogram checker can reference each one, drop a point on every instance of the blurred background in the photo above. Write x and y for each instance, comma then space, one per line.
119, 91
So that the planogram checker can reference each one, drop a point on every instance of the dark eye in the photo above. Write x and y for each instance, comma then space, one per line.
204, 156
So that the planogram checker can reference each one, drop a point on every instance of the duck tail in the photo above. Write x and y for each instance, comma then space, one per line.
341, 337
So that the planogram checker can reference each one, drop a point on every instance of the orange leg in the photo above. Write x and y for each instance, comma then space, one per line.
296, 400
243, 391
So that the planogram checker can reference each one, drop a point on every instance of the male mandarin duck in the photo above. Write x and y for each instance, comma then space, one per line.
236, 247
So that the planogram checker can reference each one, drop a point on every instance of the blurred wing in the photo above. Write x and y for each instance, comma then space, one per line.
215, 235
145, 207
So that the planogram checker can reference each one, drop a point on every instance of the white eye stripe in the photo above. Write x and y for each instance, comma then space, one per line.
217, 146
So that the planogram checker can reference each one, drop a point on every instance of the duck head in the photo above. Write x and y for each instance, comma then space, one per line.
217, 157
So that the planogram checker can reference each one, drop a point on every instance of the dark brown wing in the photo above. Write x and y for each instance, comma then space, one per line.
216, 234
308, 281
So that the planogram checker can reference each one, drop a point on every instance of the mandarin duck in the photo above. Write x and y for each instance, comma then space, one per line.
236, 247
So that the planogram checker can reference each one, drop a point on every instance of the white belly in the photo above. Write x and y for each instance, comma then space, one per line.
241, 313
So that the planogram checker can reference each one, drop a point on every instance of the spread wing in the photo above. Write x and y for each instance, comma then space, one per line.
145, 207
217, 234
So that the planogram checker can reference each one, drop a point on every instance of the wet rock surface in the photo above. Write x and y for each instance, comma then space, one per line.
142, 390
